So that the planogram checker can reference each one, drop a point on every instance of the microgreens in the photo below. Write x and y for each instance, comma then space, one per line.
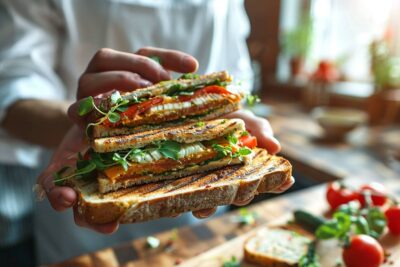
251, 100
170, 149
119, 104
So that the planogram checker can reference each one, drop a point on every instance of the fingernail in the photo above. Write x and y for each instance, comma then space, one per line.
189, 64
145, 83
65, 202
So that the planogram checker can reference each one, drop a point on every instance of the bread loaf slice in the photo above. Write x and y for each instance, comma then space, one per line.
191, 193
276, 247
188, 133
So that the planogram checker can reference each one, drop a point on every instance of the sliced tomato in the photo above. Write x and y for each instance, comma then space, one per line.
213, 89
248, 140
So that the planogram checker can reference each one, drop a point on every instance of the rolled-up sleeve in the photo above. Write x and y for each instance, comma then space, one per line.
29, 38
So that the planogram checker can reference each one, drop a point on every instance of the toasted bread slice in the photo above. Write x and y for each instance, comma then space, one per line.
107, 185
163, 87
99, 131
172, 197
187, 133
276, 247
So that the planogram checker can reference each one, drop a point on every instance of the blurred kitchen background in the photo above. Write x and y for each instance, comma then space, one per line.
328, 74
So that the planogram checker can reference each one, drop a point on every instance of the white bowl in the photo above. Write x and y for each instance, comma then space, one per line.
337, 122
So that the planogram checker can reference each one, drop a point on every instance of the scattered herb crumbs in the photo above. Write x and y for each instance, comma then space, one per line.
232, 262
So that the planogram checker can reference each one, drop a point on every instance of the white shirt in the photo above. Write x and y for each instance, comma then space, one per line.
45, 45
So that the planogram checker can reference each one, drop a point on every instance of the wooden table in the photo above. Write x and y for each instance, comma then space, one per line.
360, 157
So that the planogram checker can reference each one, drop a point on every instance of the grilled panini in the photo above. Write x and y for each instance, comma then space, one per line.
188, 99
168, 153
191, 193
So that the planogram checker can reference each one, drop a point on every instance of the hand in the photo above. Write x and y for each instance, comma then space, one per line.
107, 70
110, 69
261, 129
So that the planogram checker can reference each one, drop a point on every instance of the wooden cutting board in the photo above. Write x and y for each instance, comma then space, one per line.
328, 251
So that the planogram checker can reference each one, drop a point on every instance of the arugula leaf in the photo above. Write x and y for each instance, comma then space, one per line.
85, 106
170, 149
58, 180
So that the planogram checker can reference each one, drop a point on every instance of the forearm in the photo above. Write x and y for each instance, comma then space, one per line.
40, 122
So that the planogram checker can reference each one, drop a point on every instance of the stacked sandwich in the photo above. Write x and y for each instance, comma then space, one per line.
162, 150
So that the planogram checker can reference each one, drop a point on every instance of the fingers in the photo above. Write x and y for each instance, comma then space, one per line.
243, 202
202, 214
285, 186
260, 128
92, 84
171, 59
61, 198
107, 228
110, 60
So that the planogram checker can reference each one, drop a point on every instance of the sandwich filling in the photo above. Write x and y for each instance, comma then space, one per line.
163, 108
169, 156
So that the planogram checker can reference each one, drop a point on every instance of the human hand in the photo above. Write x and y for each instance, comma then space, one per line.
110, 69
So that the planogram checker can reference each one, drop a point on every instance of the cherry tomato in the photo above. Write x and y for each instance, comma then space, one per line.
378, 193
363, 251
337, 195
248, 140
393, 219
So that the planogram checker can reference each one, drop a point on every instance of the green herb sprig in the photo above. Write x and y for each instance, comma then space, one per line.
118, 105
351, 219
232, 262
252, 100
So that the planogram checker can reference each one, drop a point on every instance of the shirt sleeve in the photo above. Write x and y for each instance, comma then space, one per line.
28, 52
239, 61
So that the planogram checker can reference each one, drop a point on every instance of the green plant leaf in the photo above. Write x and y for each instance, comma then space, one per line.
232, 262
113, 117
244, 151
189, 76
58, 179
85, 106
232, 139
377, 221
251, 100
362, 226
121, 160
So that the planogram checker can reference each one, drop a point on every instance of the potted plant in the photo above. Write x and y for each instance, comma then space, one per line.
296, 44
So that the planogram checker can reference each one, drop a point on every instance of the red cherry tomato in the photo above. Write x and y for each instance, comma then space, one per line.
248, 140
378, 193
393, 219
364, 251
337, 195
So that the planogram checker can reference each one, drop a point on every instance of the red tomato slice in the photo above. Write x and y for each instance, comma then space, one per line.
249, 141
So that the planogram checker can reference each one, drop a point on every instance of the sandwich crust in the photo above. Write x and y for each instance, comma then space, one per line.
187, 133
191, 193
